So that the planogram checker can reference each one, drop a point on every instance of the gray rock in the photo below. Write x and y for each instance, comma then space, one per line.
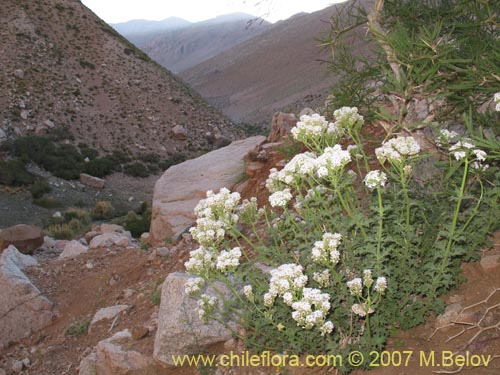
179, 132
94, 182
3, 135
113, 359
110, 239
17, 366
180, 330
490, 262
24, 309
73, 249
49, 124
87, 365
19, 73
450, 315
182, 186
108, 313
26, 238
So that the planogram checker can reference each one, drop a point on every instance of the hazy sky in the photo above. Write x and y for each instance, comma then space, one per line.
113, 11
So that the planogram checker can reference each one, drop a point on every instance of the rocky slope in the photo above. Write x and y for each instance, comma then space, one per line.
178, 47
278, 69
64, 69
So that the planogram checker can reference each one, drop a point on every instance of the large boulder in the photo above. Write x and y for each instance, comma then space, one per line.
182, 186
23, 309
180, 329
281, 125
112, 357
26, 238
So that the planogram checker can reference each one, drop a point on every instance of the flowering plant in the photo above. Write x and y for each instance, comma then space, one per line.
329, 265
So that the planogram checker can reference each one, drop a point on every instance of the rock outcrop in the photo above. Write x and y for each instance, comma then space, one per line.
73, 249
180, 330
281, 125
26, 238
23, 309
182, 186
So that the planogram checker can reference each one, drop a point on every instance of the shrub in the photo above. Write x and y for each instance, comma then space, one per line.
39, 188
77, 328
48, 202
14, 173
102, 210
136, 169
356, 243
99, 167
138, 224
73, 222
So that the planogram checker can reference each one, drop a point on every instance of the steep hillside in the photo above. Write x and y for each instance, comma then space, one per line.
277, 69
64, 69
180, 48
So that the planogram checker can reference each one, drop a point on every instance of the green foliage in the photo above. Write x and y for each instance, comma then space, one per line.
138, 224
102, 210
48, 202
136, 169
14, 173
99, 167
445, 49
39, 189
70, 224
77, 328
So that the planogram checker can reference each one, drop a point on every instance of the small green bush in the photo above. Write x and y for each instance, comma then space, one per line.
138, 224
99, 167
14, 173
136, 169
39, 189
102, 210
48, 202
77, 328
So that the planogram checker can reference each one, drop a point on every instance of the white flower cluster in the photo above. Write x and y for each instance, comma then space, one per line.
325, 251
333, 160
286, 280
330, 162
248, 210
361, 309
248, 292
496, 99
323, 278
356, 285
446, 137
193, 285
397, 150
301, 165
375, 179
206, 304
215, 214
200, 260
228, 260
280, 198
347, 118
313, 128
311, 309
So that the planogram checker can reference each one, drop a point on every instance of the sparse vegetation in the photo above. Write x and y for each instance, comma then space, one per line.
78, 328
71, 223
102, 210
14, 173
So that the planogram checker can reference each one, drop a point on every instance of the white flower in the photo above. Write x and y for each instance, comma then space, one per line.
355, 286
201, 260
347, 117
367, 278
325, 251
248, 292
312, 309
322, 278
480, 154
193, 285
332, 161
361, 309
285, 278
206, 305
375, 179
228, 260
397, 150
268, 299
288, 298
280, 198
380, 285
460, 149
445, 137
496, 98
326, 328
